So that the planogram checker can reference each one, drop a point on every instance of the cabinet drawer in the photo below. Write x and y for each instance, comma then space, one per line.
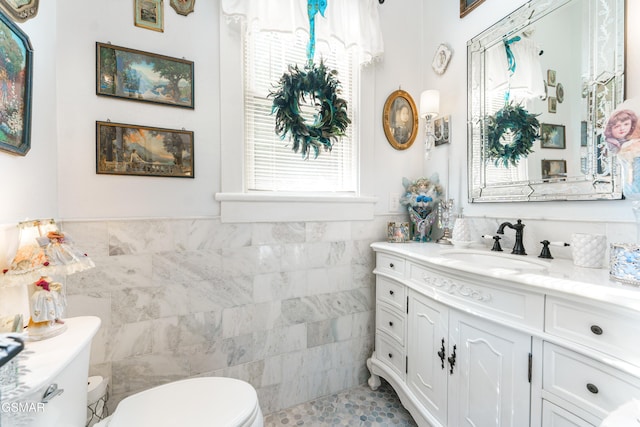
391, 292
391, 321
613, 333
589, 384
555, 416
391, 354
390, 264
504, 303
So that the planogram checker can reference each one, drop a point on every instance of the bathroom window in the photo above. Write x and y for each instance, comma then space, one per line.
269, 162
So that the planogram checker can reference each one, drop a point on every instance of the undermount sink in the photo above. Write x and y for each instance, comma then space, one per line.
494, 259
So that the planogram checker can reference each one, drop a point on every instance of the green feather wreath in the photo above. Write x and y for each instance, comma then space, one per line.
525, 128
322, 88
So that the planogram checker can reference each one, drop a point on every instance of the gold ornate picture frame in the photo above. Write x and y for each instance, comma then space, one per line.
400, 120
20, 10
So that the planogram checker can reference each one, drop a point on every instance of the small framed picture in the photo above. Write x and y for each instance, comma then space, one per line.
400, 120
553, 104
552, 136
560, 92
149, 14
467, 6
441, 59
554, 169
551, 77
583, 133
441, 130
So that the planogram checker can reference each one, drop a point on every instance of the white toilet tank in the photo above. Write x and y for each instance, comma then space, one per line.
45, 368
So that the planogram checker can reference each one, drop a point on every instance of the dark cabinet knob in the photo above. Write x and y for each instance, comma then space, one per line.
596, 329
592, 388
390, 356
390, 265
390, 292
390, 323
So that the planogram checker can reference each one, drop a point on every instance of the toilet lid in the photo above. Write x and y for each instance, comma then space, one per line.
193, 402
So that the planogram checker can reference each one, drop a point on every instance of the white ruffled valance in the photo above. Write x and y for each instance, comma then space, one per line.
353, 23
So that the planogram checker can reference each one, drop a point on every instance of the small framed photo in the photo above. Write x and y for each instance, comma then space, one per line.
583, 133
123, 149
551, 77
441, 130
554, 169
552, 136
149, 14
560, 92
467, 6
441, 59
553, 104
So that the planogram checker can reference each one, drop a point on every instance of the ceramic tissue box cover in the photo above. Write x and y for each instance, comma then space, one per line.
588, 250
624, 263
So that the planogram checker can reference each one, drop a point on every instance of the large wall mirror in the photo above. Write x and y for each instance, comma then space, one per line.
563, 61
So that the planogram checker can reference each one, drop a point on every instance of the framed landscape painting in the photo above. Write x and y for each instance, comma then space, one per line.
123, 149
149, 14
16, 75
142, 76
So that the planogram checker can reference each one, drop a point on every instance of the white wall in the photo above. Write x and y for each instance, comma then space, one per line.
443, 24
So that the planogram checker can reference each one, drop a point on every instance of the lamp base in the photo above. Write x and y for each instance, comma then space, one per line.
44, 330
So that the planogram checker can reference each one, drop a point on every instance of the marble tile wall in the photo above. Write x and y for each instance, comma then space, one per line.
288, 307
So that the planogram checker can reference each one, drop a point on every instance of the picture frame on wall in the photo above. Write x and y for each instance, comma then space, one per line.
16, 83
552, 136
466, 6
400, 120
20, 10
441, 130
135, 75
125, 149
183, 7
554, 169
149, 14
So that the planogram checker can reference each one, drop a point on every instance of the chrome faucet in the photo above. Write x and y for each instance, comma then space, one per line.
518, 248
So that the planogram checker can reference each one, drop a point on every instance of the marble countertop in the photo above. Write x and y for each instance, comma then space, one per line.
561, 277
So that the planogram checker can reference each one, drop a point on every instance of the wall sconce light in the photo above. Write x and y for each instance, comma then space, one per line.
429, 109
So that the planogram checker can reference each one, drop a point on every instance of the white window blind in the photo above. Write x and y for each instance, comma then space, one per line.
270, 163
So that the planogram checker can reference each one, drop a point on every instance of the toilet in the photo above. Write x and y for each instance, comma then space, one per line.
194, 402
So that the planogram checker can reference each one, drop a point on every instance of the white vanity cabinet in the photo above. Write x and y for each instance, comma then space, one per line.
483, 346
465, 370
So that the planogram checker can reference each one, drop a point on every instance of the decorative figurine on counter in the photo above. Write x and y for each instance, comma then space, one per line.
47, 304
421, 196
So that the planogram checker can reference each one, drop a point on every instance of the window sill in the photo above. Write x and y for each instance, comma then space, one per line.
249, 207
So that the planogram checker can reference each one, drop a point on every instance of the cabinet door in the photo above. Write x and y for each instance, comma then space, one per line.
427, 373
554, 416
490, 383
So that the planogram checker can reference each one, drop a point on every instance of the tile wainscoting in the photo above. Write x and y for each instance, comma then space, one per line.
287, 307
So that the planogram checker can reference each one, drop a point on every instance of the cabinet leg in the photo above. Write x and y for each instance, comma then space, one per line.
374, 380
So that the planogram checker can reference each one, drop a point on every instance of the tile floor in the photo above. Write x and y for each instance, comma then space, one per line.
358, 406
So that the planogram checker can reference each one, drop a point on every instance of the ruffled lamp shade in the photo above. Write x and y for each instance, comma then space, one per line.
43, 251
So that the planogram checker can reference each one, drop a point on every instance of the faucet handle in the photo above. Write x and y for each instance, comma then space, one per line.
496, 242
545, 253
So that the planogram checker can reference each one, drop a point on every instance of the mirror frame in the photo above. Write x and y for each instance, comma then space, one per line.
590, 186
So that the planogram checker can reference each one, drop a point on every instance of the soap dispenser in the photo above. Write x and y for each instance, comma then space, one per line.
461, 231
